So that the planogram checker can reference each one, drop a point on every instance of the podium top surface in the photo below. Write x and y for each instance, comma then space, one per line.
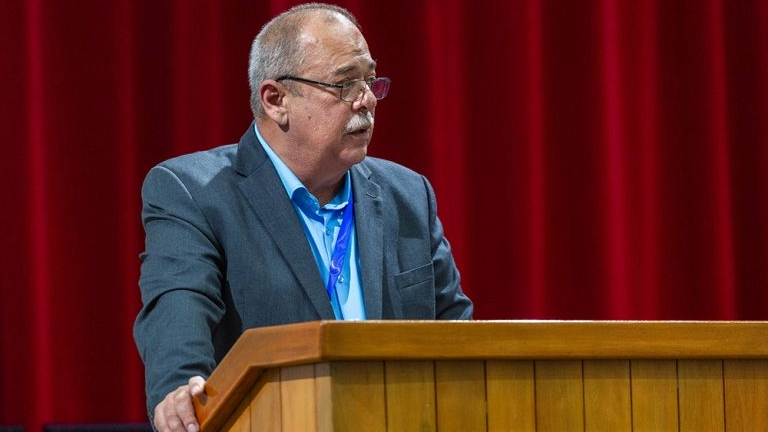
418, 340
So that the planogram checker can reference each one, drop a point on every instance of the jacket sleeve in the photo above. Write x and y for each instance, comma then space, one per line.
450, 301
181, 280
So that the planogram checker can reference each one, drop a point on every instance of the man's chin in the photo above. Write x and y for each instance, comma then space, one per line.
355, 155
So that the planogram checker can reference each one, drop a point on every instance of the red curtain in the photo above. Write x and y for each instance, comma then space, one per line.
599, 159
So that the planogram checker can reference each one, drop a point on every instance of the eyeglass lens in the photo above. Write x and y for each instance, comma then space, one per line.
352, 90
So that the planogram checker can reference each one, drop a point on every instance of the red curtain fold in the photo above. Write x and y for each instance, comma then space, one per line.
592, 160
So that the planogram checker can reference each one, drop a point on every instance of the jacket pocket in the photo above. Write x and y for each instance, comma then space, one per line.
412, 277
417, 292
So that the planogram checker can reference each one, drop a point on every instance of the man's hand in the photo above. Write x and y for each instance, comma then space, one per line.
176, 412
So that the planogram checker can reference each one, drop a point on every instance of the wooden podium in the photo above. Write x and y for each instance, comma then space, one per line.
557, 376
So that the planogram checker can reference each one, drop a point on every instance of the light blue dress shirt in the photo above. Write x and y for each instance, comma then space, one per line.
321, 226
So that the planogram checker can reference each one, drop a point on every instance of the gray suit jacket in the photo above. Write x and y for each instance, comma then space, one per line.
225, 251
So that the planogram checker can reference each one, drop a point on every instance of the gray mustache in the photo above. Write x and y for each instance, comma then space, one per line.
360, 121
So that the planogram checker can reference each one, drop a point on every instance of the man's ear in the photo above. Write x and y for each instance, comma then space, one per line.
272, 95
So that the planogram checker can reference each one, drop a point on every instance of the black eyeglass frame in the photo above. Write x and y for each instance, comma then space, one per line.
341, 86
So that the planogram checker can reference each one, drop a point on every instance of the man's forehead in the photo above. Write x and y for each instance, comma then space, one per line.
336, 47
365, 64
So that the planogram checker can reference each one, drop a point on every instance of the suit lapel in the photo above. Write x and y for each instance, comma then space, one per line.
369, 225
264, 191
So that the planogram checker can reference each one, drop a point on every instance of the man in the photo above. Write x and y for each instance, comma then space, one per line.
292, 224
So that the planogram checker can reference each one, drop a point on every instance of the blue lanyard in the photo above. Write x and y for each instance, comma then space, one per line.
340, 249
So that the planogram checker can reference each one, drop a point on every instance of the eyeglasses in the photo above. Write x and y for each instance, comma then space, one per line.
351, 90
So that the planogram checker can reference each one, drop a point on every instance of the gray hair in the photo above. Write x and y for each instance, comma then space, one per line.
277, 49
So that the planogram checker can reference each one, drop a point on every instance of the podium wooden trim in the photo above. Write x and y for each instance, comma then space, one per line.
681, 375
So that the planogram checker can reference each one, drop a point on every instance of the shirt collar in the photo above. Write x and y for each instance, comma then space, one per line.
296, 189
